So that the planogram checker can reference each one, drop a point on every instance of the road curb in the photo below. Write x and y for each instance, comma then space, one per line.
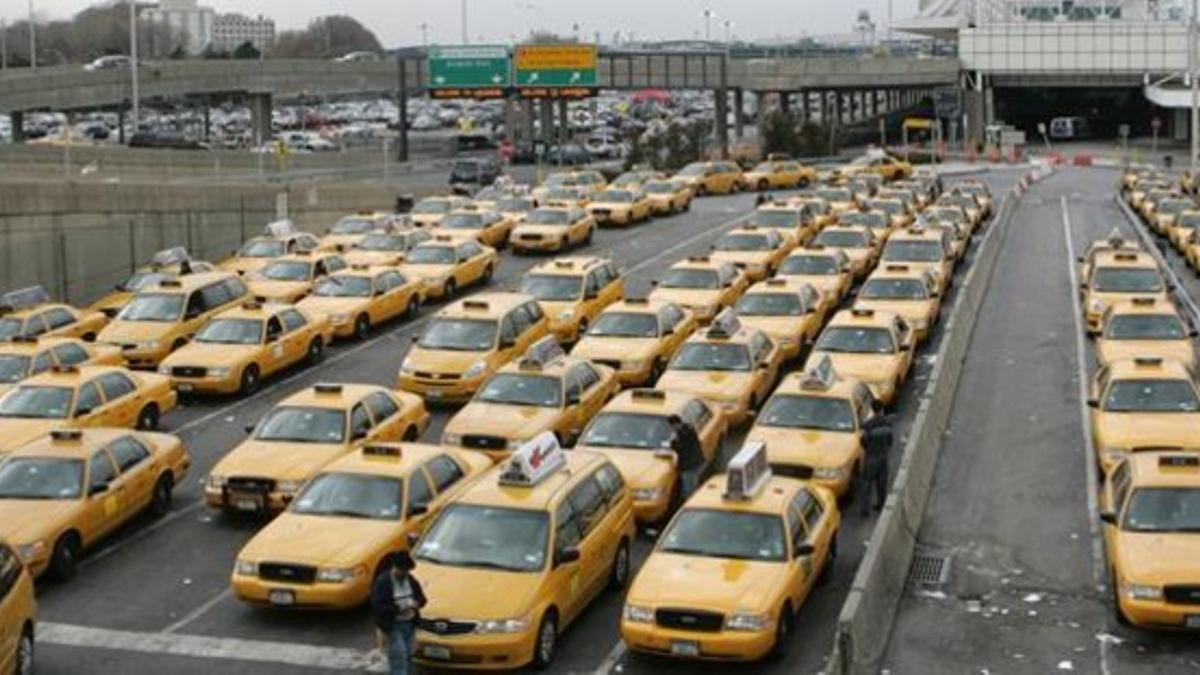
869, 611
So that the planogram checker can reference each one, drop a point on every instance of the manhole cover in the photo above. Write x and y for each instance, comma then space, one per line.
929, 569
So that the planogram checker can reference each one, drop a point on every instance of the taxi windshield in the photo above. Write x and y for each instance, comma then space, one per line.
460, 335
548, 217
691, 278
44, 403
287, 270
953, 215
835, 195
809, 264
514, 205
774, 218
343, 286
262, 248
1145, 327
891, 207
559, 180
855, 340
41, 478
744, 242
629, 430
352, 226
518, 389
770, 304
1191, 220
161, 307
625, 324
1126, 280
894, 289
660, 187
767, 167
381, 242
231, 332
13, 367
552, 286
615, 196
141, 280
295, 424
10, 328
712, 356
726, 534
463, 221
842, 239
913, 251
466, 535
1163, 510
1173, 206
431, 255
864, 219
695, 169
1166, 396
807, 412
351, 495
432, 207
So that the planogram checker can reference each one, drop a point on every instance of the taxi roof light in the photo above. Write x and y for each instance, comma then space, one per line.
1143, 302
66, 435
170, 282
862, 312
327, 388
1180, 461
725, 325
896, 268
639, 300
697, 258
775, 281
61, 368
657, 395
1147, 361
1125, 256
820, 377
382, 451
252, 304
537, 458
748, 472
282, 228
481, 305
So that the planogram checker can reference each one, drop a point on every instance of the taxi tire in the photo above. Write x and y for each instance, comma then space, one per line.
316, 352
147, 419
618, 579
449, 289
414, 308
546, 643
250, 380
830, 561
362, 327
702, 190
1118, 613
25, 651
163, 495
587, 238
488, 273
65, 558
783, 632
763, 186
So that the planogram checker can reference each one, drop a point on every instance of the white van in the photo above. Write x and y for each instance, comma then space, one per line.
1069, 128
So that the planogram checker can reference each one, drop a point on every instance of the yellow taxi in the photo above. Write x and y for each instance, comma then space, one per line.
490, 228
166, 264
1144, 327
922, 249
873, 347
790, 312
384, 248
543, 391
467, 341
553, 228
728, 575
1115, 241
240, 347
335, 537
282, 238
839, 199
858, 243
1148, 510
162, 318
67, 489
636, 338
634, 179
955, 216
589, 182
701, 285
1167, 213
348, 231
429, 211
1130, 177
1137, 196
878, 222
812, 425
1143, 402
756, 251
82, 396
633, 432
363, 297
1150, 205
786, 217
981, 192
565, 196
731, 365
1116, 276
515, 558
899, 215
301, 435
621, 206
18, 613
780, 175
444, 265
712, 178
910, 293
887, 166
668, 196
26, 357
828, 270
572, 291
31, 313
516, 207
818, 210
865, 185
291, 277
1186, 224
970, 206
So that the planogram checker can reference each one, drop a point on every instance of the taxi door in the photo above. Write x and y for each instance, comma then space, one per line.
566, 580
1112, 499
135, 482
597, 546
470, 265
767, 357
390, 299
274, 350
297, 333
35, 326
16, 606
122, 402
585, 395
709, 426
104, 504
904, 336
388, 417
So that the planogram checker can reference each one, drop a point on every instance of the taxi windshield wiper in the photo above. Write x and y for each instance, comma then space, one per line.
486, 564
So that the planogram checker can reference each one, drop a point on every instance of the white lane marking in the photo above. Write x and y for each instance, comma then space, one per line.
198, 612
1089, 450
202, 647
614, 656
141, 534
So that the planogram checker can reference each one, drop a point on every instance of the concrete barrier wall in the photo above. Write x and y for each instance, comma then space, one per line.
80, 239
869, 610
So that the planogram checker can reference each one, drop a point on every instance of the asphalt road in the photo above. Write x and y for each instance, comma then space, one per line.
1012, 504
156, 596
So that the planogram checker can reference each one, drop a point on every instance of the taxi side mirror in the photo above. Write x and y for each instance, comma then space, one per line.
804, 549
249, 428
85, 410
591, 295
411, 539
507, 343
418, 509
1109, 517
97, 489
565, 556
574, 398
1093, 403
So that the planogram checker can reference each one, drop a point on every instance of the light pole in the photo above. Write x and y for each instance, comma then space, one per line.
465, 36
708, 15
32, 39
1193, 34
424, 34
3, 44
133, 57
728, 30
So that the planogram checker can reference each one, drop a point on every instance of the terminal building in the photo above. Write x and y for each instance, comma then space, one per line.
186, 18
230, 31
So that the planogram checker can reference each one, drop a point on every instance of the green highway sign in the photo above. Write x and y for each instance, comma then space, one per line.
483, 67
558, 65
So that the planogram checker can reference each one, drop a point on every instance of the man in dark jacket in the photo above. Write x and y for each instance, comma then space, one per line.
396, 602
689, 456
877, 445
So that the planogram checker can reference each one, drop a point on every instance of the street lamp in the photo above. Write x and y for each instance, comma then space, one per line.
1193, 34
708, 16
728, 30
465, 36
424, 34
133, 66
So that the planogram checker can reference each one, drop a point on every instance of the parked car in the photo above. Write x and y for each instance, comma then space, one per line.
474, 171
111, 62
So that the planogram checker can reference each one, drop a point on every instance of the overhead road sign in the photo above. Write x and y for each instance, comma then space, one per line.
543, 67
469, 72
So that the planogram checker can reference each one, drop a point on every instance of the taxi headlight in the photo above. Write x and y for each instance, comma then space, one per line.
502, 626
747, 622
829, 472
32, 551
646, 494
566, 315
219, 372
476, 370
1143, 592
407, 365
288, 487
149, 345
164, 370
451, 439
216, 482
336, 575
245, 568
639, 614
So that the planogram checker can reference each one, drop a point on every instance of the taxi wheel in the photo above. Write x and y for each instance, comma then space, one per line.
830, 561
160, 502
316, 352
450, 289
687, 206
488, 273
620, 569
414, 307
702, 190
587, 238
547, 638
783, 632
89, 337
1116, 598
362, 327
803, 183
148, 419
65, 557
763, 186
249, 380
25, 651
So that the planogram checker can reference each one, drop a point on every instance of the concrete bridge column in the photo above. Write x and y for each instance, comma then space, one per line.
840, 108
722, 129
18, 126
785, 102
207, 120
739, 113
804, 111
526, 123
260, 117
564, 122
121, 126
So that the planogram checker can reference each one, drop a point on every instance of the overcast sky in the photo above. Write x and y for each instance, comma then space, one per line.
398, 21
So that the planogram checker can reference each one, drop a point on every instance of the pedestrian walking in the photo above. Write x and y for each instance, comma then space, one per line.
877, 440
396, 602
689, 456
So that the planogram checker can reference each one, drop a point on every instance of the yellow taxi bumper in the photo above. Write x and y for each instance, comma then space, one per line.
228, 384
284, 595
542, 243
272, 502
1160, 614
456, 390
721, 646
495, 651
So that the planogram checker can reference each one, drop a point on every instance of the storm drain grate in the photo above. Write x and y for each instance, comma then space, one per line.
929, 570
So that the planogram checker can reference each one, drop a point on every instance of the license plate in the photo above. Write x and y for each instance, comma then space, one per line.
247, 502
1192, 621
282, 598
685, 648
186, 388
434, 395
436, 652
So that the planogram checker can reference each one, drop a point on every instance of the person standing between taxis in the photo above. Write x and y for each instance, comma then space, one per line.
877, 445
396, 602
689, 456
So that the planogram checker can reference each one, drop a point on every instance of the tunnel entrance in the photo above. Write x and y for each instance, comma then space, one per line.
1105, 109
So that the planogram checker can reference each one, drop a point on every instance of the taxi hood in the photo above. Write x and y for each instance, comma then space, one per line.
1160, 558
688, 297
443, 360
742, 257
243, 265
370, 258
716, 584
209, 355
639, 466
540, 228
321, 541
1174, 350
502, 420
1145, 430
23, 521
614, 348
278, 290
714, 386
427, 271
810, 447
330, 306
279, 461
911, 310
476, 594
122, 332
864, 367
